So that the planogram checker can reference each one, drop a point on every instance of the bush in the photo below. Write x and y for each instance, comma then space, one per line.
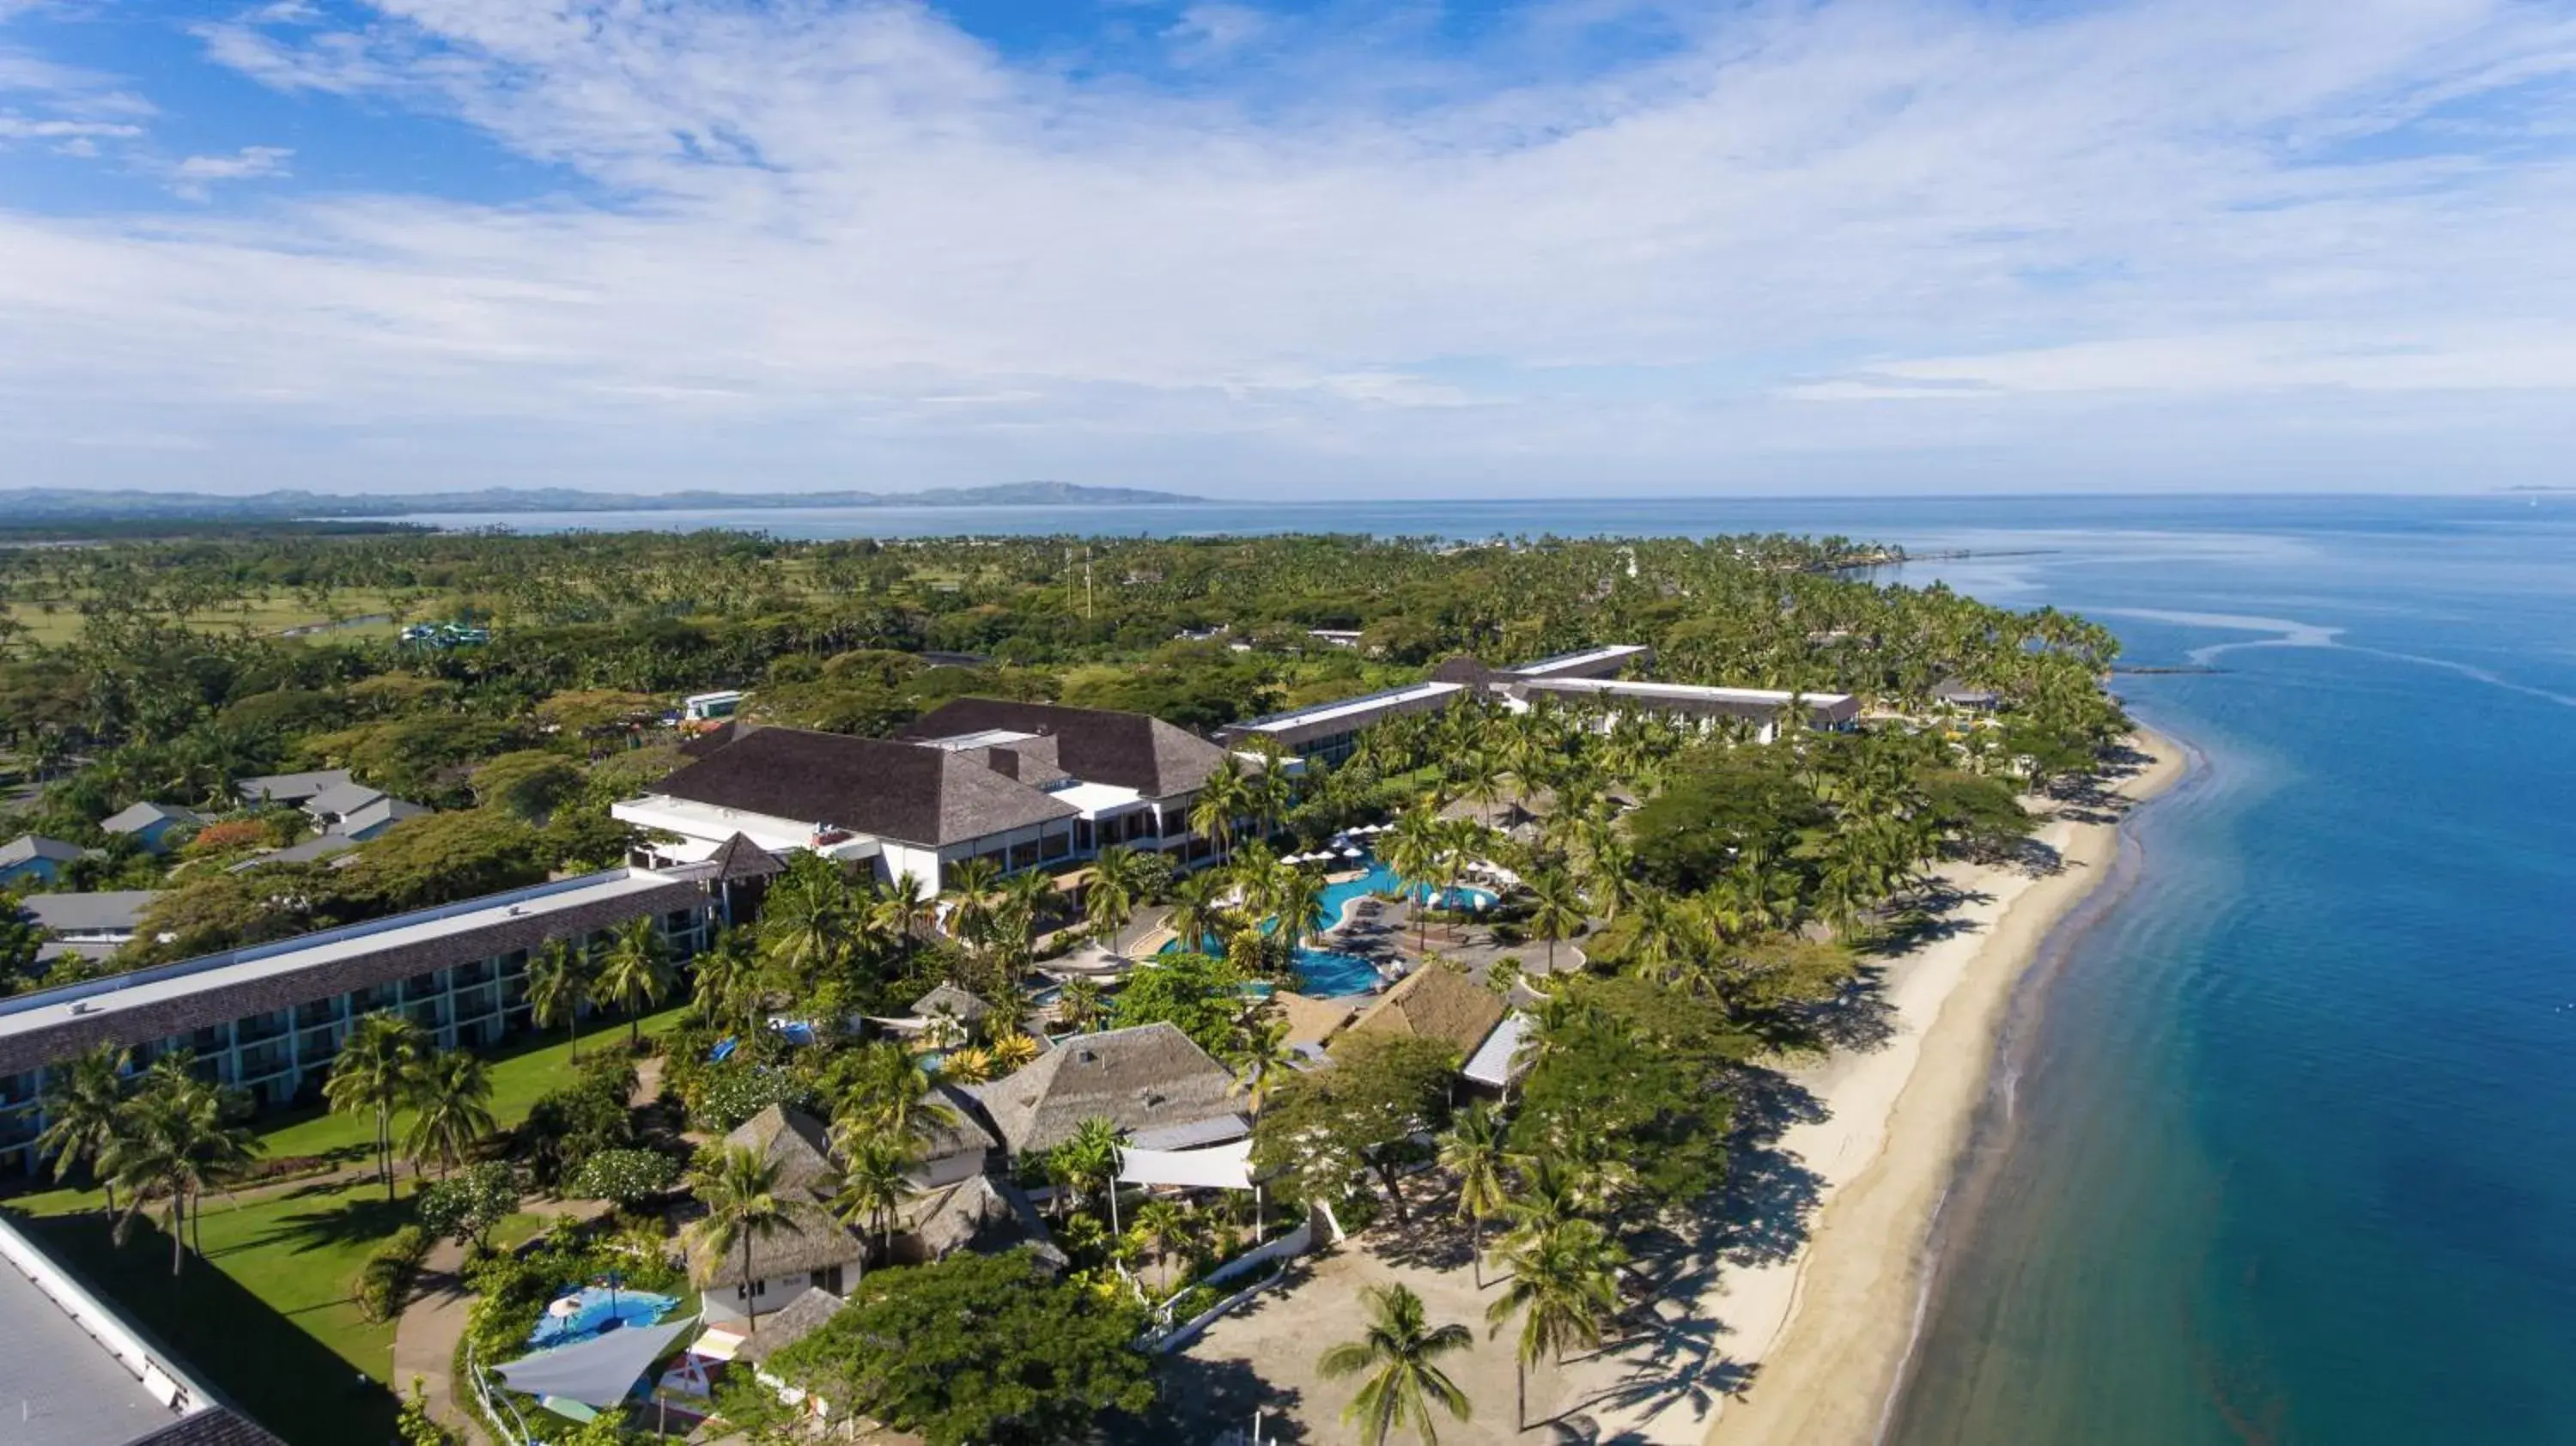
385, 1280
466, 1207
729, 1097
568, 1126
625, 1177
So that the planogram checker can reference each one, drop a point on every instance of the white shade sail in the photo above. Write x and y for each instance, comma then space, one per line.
1223, 1167
596, 1372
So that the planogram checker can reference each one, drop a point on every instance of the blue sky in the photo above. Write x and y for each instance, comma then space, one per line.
1313, 249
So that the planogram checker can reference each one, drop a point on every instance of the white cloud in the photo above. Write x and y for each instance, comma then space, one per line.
195, 177
853, 237
20, 128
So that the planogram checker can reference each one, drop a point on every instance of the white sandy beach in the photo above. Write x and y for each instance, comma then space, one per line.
1827, 1329
1810, 1343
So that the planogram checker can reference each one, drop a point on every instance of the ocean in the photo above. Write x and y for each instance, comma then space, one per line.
2286, 1147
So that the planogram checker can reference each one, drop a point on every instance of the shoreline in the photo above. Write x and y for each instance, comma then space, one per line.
1821, 1339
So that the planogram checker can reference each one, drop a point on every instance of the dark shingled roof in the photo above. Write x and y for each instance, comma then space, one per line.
790, 1323
217, 1427
868, 785
1096, 745
807, 1239
1146, 1077
738, 858
792, 1140
362, 970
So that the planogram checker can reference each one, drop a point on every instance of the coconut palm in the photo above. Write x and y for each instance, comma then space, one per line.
805, 923
739, 1188
375, 1072
1400, 1356
1225, 797
1081, 1005
1556, 909
872, 1183
636, 973
1163, 1222
452, 1096
893, 1093
562, 983
1472, 1150
728, 983
1261, 1057
1195, 910
176, 1137
84, 1103
1116, 888
1565, 1289
1089, 1157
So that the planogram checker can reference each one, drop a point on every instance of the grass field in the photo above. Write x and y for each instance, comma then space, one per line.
271, 1323
271, 615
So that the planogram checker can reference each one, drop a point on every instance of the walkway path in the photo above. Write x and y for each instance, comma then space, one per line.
425, 1336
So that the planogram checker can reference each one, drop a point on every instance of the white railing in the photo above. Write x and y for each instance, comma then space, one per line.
501, 1414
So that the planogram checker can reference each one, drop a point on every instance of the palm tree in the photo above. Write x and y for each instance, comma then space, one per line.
1261, 1058
1472, 1150
1195, 909
375, 1071
1012, 1051
1565, 1289
1413, 848
1089, 1156
452, 1092
805, 923
1556, 909
1400, 1355
173, 1140
1080, 1006
562, 982
892, 1093
1162, 1222
83, 1107
1225, 797
872, 1183
970, 917
739, 1188
1116, 887
1299, 902
728, 982
636, 973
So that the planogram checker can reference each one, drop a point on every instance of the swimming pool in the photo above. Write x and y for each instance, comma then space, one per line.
1382, 880
601, 1311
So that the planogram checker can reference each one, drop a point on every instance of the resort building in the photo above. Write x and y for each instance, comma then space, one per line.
87, 926
1593, 677
1433, 1002
151, 824
1328, 732
1160, 1089
269, 1017
808, 1249
35, 859
77, 1373
292, 789
1024, 785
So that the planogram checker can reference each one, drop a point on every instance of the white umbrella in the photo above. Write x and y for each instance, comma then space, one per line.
565, 1308
1350, 853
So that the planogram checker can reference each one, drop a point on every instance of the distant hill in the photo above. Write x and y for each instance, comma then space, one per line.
64, 504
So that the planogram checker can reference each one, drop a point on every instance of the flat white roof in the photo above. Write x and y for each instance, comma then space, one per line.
1493, 1060
289, 956
984, 738
1563, 661
1681, 692
714, 824
1095, 799
1350, 707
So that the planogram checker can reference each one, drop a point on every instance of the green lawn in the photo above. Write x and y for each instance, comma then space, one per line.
523, 1070
271, 1323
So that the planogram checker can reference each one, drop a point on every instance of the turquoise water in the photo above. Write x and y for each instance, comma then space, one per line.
602, 1310
2288, 1150
1327, 973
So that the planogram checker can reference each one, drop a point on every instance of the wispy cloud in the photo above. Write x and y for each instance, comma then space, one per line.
195, 177
800, 233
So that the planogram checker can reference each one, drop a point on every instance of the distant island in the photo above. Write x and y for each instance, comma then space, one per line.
64, 504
